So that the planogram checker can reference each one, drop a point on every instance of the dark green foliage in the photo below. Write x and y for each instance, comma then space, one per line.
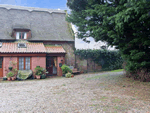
10, 74
38, 70
121, 23
43, 76
109, 60
65, 69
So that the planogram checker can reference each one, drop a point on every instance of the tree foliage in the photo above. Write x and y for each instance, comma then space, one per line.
121, 23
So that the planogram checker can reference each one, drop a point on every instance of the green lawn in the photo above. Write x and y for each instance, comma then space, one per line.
118, 70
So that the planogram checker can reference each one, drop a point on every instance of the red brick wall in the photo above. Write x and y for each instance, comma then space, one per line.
38, 61
6, 62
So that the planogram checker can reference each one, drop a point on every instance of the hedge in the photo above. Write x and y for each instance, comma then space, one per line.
108, 59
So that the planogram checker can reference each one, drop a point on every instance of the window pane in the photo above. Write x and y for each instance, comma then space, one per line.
19, 35
23, 35
27, 63
21, 63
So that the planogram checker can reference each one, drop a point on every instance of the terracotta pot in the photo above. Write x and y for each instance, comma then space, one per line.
81, 72
9, 78
13, 78
38, 77
72, 75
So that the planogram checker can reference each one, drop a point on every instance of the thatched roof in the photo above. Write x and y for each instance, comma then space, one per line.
45, 24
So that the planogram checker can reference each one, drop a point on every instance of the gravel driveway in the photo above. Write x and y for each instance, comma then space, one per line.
84, 93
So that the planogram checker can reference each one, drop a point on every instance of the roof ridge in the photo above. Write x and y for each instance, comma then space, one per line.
31, 8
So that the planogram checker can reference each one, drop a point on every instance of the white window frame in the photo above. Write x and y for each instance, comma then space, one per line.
17, 35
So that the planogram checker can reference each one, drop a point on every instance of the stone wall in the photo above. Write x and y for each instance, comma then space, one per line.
87, 65
69, 48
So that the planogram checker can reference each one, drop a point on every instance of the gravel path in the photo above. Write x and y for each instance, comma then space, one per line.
63, 95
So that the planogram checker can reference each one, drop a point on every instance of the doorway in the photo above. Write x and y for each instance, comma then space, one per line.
51, 65
1, 66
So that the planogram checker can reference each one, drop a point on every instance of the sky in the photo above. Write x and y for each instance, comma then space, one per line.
55, 4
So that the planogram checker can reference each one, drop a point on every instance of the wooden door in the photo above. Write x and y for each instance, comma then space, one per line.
1, 66
49, 65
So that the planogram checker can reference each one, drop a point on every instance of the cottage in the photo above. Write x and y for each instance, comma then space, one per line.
35, 37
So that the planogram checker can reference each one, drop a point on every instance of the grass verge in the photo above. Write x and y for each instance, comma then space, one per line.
118, 70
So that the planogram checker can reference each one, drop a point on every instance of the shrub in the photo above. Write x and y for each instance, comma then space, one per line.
143, 75
66, 69
140, 74
38, 70
68, 75
108, 59
10, 74
15, 71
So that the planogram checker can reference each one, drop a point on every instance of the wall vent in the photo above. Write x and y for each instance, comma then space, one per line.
22, 45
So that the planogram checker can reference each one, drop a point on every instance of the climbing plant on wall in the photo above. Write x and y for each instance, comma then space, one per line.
109, 60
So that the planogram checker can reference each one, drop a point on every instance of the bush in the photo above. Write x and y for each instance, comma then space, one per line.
43, 76
66, 69
38, 70
68, 75
108, 59
10, 74
140, 74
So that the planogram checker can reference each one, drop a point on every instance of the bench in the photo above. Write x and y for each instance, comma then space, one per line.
75, 70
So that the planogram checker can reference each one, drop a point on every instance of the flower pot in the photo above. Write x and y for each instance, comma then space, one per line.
4, 78
43, 76
13, 78
72, 75
63, 75
9, 78
10, 68
38, 76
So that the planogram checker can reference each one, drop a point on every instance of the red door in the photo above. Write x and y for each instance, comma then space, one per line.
1, 66
49, 65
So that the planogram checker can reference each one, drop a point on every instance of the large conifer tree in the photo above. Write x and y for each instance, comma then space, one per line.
121, 23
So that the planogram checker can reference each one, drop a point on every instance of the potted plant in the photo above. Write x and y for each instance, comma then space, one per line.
68, 75
11, 65
4, 78
43, 76
72, 75
65, 69
38, 71
15, 72
9, 75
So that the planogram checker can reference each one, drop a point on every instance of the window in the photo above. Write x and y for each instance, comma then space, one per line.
24, 63
1, 61
21, 35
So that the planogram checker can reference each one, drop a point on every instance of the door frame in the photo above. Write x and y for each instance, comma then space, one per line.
2, 66
52, 58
